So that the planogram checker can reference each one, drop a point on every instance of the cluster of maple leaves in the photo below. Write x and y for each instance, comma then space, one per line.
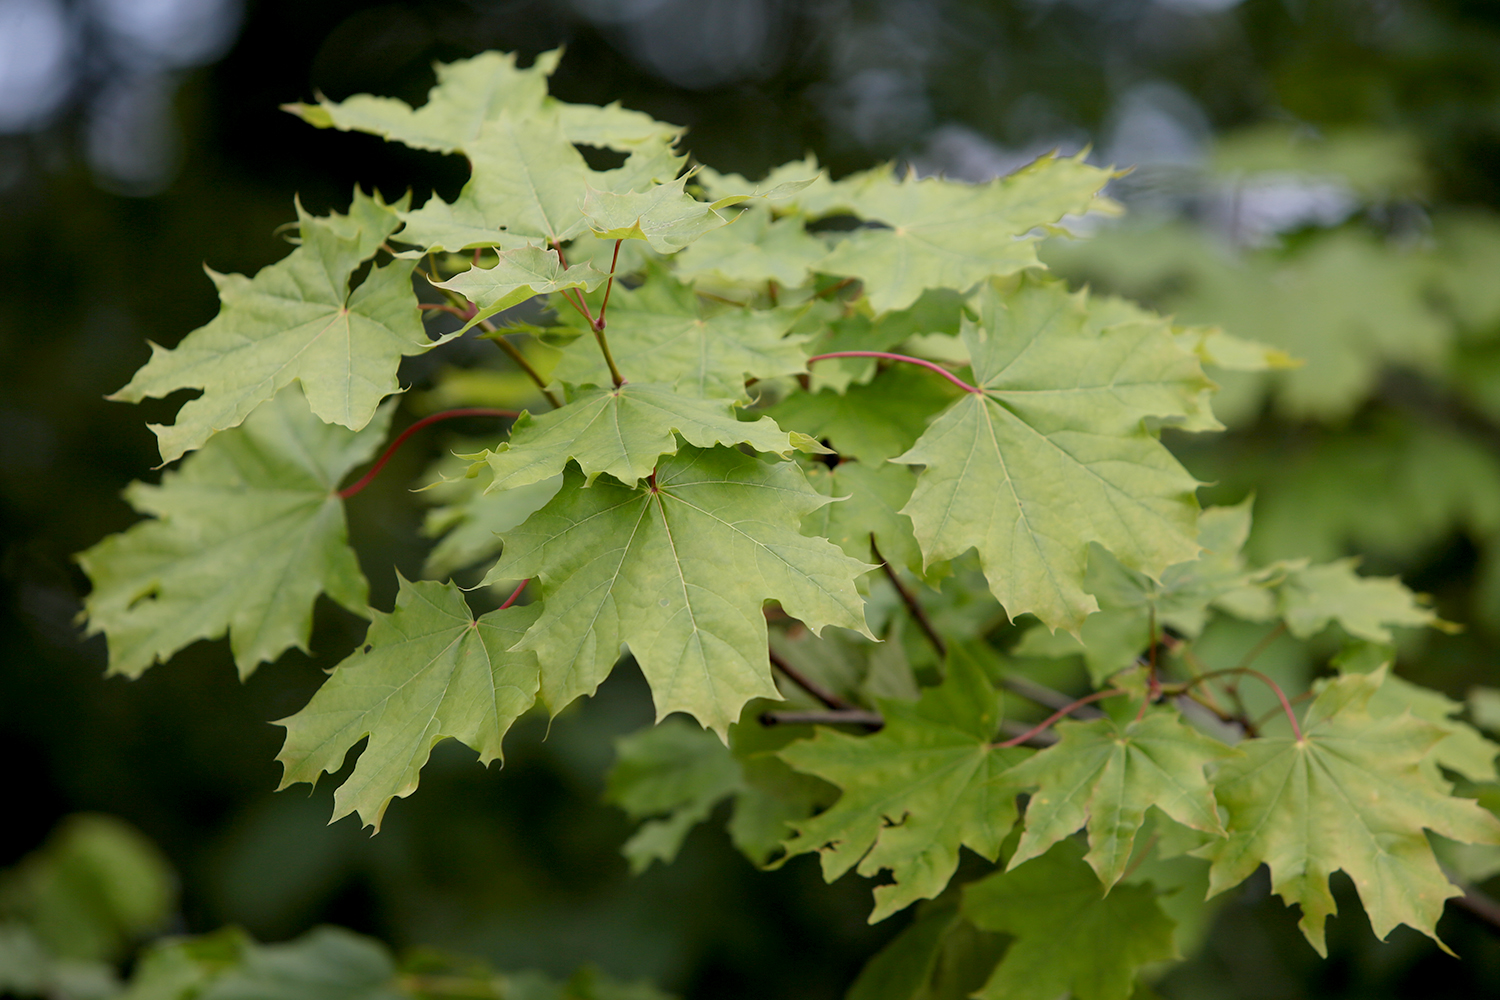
728, 426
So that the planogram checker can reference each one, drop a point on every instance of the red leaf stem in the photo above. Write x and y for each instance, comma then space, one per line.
471, 411
517, 593
1034, 730
966, 387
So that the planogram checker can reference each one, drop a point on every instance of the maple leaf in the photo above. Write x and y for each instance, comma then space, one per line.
246, 535
759, 248
1107, 774
1349, 795
516, 276
870, 501
623, 431
944, 234
702, 349
467, 520
472, 92
469, 93
1056, 451
871, 422
296, 320
1069, 937
914, 792
426, 672
625, 565
1313, 597
671, 776
527, 183
664, 215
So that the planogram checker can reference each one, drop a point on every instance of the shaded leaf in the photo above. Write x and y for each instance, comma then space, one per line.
914, 792
1106, 774
246, 535
1069, 936
1349, 795
428, 671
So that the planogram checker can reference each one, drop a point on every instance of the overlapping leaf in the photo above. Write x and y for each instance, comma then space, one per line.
1313, 597
623, 431
1107, 774
664, 215
1057, 451
944, 234
296, 320
678, 570
426, 672
467, 521
1070, 938
757, 249
663, 332
245, 536
1349, 795
871, 422
914, 792
516, 276
870, 498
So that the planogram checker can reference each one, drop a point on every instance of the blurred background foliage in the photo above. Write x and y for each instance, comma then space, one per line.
1319, 174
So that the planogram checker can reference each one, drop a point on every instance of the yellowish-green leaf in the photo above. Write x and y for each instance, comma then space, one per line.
1056, 451
296, 320
244, 537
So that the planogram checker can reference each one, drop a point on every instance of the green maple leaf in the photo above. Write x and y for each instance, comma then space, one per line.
914, 792
757, 249
526, 188
246, 534
426, 672
1058, 450
473, 92
1314, 597
623, 431
869, 504
296, 320
663, 330
871, 422
1350, 795
1069, 937
467, 520
670, 776
1131, 602
621, 565
516, 276
1462, 750
944, 234
1106, 774
663, 215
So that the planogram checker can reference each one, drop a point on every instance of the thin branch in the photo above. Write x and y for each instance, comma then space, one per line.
463, 314
491, 333
918, 613
806, 683
1286, 705
832, 717
472, 411
1047, 697
966, 387
1055, 716
1478, 904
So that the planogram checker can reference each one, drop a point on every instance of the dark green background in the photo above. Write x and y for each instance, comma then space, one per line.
521, 866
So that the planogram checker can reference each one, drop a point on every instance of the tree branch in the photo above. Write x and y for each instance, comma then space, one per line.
806, 683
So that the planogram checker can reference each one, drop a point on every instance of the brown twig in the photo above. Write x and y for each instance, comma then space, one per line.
918, 613
832, 717
806, 683
491, 333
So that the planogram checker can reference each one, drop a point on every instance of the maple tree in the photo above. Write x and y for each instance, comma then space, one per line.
860, 488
